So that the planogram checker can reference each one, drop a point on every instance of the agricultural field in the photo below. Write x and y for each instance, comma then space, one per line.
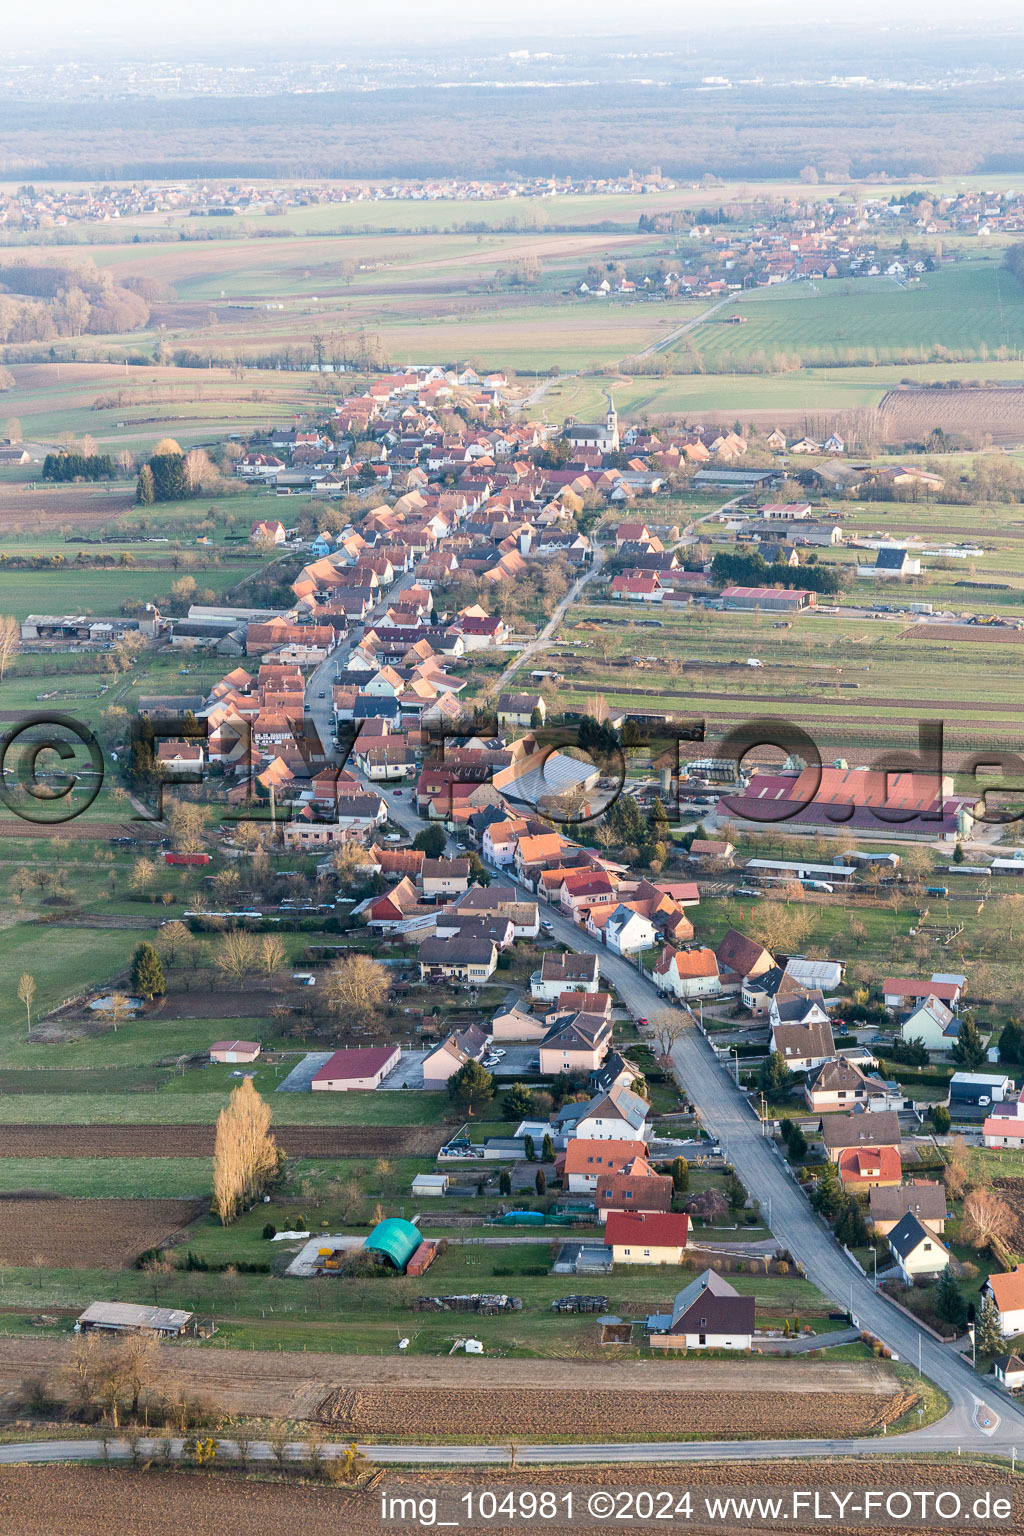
693, 664
101, 1233
196, 1141
912, 414
972, 304
847, 1396
163, 1503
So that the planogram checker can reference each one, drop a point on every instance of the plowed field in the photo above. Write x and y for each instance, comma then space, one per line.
88, 1234
911, 414
490, 1415
197, 1140
92, 1500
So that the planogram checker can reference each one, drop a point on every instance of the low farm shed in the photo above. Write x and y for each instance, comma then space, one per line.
125, 1317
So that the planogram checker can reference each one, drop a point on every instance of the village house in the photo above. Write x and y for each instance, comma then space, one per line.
860, 1128
564, 973
518, 709
642, 1238
1007, 1291
616, 1115
687, 974
575, 1044
444, 877
585, 1162
918, 1253
463, 1045
634, 1187
838, 1084
924, 1198
469, 960
739, 958
931, 1024
870, 1167
708, 1314
802, 1034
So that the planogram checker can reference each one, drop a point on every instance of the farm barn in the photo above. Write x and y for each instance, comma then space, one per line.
124, 1317
234, 1050
364, 1067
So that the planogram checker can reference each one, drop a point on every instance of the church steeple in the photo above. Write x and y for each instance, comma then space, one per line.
611, 421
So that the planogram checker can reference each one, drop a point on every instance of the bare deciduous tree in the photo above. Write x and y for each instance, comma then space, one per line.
986, 1217
26, 995
357, 987
236, 954
666, 1028
271, 954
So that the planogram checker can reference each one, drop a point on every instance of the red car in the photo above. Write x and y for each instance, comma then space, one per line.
396, 793
642, 1022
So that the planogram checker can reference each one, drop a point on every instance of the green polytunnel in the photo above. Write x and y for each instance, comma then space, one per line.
395, 1240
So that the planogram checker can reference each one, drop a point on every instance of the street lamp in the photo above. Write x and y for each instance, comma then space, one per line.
736, 1058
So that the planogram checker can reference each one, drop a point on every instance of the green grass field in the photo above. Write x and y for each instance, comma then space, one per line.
95, 1178
972, 304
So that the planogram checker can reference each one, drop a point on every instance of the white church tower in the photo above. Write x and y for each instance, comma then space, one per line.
611, 424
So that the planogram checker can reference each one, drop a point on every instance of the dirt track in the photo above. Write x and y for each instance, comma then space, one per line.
197, 1140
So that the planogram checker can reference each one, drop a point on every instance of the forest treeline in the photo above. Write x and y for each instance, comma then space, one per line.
747, 132
41, 301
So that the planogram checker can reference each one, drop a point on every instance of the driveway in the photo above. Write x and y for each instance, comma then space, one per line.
408, 1073
300, 1078
516, 1060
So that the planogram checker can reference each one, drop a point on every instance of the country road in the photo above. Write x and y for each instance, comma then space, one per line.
688, 325
980, 1416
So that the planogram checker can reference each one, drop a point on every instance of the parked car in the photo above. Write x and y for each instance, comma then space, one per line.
397, 793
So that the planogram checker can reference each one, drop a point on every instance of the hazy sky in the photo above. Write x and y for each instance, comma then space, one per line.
180, 26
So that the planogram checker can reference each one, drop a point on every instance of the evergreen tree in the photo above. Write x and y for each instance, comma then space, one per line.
472, 1087
505, 1182
540, 1182
145, 493
548, 1150
680, 1171
775, 1077
949, 1304
517, 1103
987, 1335
851, 1227
940, 1119
797, 1145
968, 1049
829, 1197
1011, 1044
147, 973
529, 1150
431, 841
169, 483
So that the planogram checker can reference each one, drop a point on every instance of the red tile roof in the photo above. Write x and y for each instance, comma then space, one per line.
662, 1230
